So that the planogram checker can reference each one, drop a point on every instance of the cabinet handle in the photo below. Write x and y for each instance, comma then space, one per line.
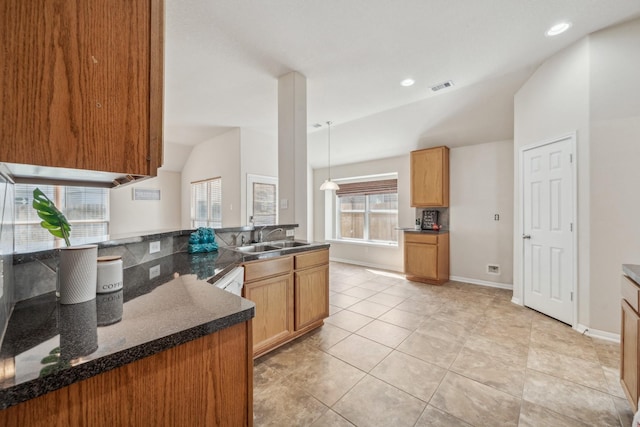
526, 236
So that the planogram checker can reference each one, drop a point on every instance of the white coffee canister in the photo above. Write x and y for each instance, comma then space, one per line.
109, 274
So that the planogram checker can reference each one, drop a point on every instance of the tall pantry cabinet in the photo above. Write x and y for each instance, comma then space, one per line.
426, 253
81, 84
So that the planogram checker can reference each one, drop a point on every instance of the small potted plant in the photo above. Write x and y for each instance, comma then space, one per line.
77, 267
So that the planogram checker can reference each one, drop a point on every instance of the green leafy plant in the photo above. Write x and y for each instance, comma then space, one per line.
52, 219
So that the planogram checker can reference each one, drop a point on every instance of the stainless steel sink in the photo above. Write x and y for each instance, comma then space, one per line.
288, 244
257, 248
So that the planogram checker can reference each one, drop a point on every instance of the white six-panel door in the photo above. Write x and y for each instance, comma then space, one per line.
548, 260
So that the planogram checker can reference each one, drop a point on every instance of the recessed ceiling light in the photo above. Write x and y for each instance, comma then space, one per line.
558, 28
407, 82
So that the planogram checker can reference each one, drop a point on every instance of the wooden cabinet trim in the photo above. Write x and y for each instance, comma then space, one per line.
261, 269
311, 259
630, 292
629, 357
431, 239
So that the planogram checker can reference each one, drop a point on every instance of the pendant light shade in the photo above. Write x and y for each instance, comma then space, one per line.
329, 185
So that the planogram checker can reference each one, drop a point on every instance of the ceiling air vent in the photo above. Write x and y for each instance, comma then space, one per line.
441, 86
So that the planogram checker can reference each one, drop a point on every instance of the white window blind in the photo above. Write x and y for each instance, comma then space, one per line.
86, 209
206, 203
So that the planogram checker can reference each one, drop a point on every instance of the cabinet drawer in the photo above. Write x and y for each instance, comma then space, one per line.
431, 239
311, 259
261, 269
630, 292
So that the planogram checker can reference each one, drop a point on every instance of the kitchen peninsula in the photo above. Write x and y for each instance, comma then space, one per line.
169, 349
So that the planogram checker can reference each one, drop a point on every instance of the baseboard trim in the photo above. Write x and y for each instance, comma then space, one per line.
595, 333
366, 264
482, 282
517, 301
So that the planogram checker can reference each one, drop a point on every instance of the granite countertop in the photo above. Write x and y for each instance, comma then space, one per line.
413, 230
633, 271
164, 303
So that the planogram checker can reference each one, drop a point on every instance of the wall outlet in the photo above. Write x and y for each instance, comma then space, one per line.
154, 271
291, 233
493, 269
154, 247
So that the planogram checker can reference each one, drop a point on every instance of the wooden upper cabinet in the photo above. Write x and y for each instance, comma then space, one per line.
430, 177
82, 84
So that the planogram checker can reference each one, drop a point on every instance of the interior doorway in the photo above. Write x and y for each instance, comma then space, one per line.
262, 198
548, 227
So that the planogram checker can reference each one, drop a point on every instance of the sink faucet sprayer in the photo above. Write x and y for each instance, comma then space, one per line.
261, 237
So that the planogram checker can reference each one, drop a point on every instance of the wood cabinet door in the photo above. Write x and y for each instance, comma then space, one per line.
274, 310
421, 260
81, 84
629, 354
312, 296
430, 177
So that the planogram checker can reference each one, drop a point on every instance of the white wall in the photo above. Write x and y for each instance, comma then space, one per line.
128, 216
615, 175
390, 258
481, 186
219, 156
592, 87
258, 156
553, 103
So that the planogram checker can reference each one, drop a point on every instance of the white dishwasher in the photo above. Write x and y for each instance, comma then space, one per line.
232, 281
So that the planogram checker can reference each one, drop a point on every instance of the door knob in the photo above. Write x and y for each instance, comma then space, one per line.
526, 236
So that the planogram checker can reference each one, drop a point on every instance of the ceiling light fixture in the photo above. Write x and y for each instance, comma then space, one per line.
407, 82
558, 29
329, 185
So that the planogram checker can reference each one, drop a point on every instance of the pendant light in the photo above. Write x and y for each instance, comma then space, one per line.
329, 185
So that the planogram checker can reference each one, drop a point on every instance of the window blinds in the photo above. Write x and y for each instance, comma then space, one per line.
368, 187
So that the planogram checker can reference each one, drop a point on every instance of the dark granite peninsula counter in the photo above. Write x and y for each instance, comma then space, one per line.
152, 353
160, 342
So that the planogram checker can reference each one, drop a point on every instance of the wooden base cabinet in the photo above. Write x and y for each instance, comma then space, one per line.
311, 289
630, 329
204, 382
426, 257
269, 284
291, 294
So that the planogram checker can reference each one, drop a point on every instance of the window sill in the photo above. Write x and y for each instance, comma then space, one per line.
363, 243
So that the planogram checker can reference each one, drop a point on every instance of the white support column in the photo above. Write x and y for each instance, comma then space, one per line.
292, 151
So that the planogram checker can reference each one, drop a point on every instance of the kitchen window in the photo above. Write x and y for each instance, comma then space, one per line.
86, 209
367, 211
206, 203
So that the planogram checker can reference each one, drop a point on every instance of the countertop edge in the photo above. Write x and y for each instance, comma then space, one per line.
22, 392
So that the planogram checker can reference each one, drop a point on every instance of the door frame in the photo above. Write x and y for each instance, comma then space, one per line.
265, 179
572, 137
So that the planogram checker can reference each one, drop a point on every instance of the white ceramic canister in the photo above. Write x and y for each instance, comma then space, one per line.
109, 274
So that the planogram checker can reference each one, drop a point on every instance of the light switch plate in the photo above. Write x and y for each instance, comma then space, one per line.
291, 233
154, 247
154, 271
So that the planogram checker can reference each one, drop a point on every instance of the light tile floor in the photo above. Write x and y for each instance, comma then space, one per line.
398, 353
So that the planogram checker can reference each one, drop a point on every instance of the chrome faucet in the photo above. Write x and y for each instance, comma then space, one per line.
261, 237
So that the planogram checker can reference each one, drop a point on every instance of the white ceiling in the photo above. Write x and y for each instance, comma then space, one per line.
223, 59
